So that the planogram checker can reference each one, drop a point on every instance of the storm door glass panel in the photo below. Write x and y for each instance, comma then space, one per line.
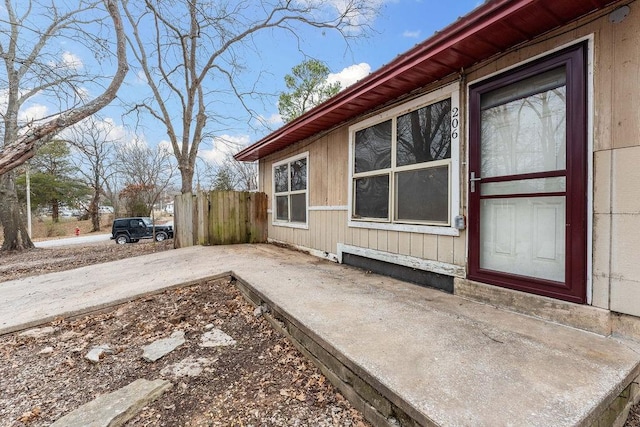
424, 135
373, 148
525, 186
372, 197
299, 207
524, 126
524, 236
282, 208
523, 141
423, 195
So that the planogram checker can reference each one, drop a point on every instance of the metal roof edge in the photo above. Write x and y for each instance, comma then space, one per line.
464, 27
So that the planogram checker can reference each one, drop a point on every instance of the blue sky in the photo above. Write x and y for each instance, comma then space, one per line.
400, 25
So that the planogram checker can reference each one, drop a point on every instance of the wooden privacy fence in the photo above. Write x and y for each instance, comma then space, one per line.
220, 218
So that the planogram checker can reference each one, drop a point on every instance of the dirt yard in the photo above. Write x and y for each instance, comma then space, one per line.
262, 380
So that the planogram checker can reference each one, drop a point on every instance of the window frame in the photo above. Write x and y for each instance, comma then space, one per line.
450, 91
274, 208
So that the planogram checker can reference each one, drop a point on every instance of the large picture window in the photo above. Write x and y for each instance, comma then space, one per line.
402, 163
290, 190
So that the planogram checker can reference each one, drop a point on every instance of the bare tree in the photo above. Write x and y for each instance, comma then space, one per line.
193, 57
244, 174
239, 176
112, 187
29, 48
94, 145
146, 172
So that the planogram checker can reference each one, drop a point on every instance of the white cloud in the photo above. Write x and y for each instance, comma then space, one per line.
411, 34
165, 145
106, 128
357, 17
72, 61
223, 146
33, 113
350, 75
83, 93
69, 60
271, 121
141, 78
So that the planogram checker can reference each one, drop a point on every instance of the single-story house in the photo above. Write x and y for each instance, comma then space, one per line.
498, 159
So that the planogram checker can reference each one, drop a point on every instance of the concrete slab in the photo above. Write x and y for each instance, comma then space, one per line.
443, 359
160, 348
116, 408
32, 300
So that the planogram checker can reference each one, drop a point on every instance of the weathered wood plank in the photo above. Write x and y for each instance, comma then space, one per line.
237, 217
183, 220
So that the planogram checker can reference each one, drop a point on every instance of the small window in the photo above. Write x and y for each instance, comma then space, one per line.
402, 166
290, 191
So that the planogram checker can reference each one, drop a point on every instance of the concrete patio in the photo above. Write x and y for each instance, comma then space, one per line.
404, 354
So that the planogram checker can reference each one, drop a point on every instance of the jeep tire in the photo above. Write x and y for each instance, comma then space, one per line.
160, 236
122, 239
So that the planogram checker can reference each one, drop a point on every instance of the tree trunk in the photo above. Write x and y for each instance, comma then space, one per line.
94, 211
186, 174
55, 211
16, 237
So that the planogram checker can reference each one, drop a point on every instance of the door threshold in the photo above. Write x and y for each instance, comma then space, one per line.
585, 317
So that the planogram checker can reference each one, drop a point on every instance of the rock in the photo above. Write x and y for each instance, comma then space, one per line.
68, 335
216, 338
116, 408
162, 347
208, 326
38, 332
46, 350
260, 310
96, 353
188, 367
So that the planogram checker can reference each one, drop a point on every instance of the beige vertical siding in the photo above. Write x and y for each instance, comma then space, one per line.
616, 171
624, 125
328, 215
616, 150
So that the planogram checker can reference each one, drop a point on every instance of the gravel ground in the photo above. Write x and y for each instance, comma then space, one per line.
262, 380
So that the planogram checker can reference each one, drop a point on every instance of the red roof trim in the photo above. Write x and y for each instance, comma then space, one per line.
474, 29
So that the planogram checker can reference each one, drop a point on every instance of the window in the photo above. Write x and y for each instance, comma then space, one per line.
290, 190
402, 163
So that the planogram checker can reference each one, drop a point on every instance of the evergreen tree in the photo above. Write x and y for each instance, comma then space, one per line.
53, 182
308, 87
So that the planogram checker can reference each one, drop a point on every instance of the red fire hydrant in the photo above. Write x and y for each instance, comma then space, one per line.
77, 231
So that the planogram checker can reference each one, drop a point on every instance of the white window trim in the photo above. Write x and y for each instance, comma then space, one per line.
405, 260
451, 91
274, 208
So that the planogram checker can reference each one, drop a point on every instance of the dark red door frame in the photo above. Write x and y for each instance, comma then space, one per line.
574, 287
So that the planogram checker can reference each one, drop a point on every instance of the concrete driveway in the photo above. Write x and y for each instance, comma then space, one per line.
76, 240
438, 358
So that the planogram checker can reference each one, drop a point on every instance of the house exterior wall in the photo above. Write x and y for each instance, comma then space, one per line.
614, 174
328, 209
615, 129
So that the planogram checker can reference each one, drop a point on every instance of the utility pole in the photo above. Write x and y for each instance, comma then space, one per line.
28, 202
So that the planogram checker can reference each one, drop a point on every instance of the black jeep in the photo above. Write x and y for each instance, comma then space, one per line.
131, 230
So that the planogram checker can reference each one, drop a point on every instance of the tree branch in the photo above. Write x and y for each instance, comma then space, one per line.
22, 149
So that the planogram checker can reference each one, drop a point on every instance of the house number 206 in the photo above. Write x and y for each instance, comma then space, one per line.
455, 122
